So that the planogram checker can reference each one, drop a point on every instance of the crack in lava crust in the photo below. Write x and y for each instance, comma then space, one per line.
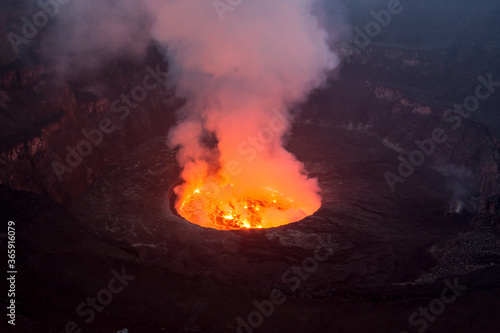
229, 208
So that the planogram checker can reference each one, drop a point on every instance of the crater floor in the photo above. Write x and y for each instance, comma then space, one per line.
391, 253
386, 246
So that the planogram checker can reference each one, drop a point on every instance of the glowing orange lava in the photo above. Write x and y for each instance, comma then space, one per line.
228, 207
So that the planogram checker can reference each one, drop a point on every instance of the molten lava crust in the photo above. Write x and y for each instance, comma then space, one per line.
230, 208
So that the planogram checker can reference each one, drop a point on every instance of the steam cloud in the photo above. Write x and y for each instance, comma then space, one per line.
263, 56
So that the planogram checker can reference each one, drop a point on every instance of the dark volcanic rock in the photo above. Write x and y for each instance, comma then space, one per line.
393, 252
380, 237
209, 277
43, 118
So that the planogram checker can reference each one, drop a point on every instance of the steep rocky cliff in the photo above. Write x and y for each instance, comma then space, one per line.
45, 119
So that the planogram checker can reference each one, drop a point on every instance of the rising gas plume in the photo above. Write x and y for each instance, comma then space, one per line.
236, 74
241, 65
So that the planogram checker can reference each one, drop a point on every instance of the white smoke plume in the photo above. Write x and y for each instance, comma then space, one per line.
264, 55
236, 62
